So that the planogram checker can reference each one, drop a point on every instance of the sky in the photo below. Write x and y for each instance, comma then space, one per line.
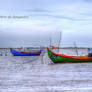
27, 23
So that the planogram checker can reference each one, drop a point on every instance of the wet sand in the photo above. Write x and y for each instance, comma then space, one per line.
28, 74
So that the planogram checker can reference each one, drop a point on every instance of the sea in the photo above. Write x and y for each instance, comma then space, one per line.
38, 74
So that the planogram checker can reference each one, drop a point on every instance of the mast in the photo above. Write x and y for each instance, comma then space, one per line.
59, 41
50, 41
76, 48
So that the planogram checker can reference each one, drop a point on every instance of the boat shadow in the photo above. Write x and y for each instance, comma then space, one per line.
24, 59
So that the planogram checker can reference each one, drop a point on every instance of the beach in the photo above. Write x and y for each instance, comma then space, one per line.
29, 74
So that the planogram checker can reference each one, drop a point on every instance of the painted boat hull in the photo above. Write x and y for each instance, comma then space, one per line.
19, 53
61, 58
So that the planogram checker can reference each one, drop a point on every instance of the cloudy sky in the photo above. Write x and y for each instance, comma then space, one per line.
42, 19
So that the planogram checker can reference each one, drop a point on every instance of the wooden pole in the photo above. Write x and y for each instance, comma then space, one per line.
42, 61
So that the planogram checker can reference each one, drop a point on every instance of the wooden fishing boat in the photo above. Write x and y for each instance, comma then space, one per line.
61, 58
21, 53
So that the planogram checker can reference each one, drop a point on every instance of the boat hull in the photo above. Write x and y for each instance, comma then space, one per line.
19, 53
61, 58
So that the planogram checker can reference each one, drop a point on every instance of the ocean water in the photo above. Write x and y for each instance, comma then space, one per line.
29, 74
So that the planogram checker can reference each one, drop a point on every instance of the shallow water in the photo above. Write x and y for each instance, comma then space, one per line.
28, 74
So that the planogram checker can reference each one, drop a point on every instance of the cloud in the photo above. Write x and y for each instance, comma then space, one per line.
46, 17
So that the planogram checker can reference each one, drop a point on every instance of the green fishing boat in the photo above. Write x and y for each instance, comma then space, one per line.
61, 58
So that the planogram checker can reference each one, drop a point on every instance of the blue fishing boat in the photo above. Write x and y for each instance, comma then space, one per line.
23, 53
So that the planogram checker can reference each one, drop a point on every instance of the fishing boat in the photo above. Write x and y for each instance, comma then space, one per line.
23, 53
61, 58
